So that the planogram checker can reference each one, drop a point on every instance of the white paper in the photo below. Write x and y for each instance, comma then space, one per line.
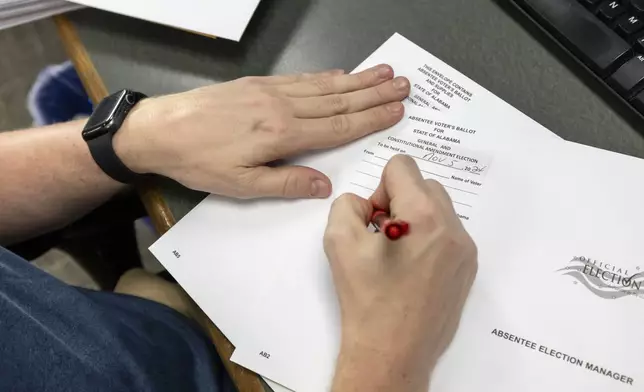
461, 171
435, 145
220, 18
541, 209
560, 273
226, 246
211, 249
231, 256
240, 260
437, 85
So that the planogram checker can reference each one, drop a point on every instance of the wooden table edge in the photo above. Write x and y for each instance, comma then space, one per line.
156, 206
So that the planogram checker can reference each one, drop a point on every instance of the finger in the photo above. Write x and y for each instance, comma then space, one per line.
438, 191
348, 219
315, 134
289, 182
340, 84
356, 101
401, 178
303, 77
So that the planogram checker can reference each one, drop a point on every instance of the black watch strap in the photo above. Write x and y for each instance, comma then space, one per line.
103, 153
103, 124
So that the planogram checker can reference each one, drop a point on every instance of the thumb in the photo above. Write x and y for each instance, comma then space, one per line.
290, 182
347, 224
351, 213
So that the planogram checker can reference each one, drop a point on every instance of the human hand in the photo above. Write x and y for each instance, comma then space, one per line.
400, 301
220, 138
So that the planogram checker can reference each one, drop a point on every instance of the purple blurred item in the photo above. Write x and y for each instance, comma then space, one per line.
58, 95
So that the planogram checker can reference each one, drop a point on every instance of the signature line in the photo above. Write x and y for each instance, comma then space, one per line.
436, 163
424, 171
373, 163
367, 174
441, 164
362, 186
446, 186
462, 190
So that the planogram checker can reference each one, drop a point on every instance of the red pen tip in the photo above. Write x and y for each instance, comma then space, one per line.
394, 231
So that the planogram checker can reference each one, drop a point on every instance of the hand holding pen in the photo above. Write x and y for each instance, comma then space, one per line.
411, 290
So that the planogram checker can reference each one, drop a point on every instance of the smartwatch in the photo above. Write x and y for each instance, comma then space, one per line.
101, 128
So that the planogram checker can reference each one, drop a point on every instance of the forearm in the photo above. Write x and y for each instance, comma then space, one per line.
49, 179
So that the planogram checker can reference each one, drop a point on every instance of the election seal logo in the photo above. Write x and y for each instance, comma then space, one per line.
605, 280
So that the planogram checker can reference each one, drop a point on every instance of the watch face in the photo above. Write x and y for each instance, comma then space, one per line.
98, 123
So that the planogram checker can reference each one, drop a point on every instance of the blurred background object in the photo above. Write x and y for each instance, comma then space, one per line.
17, 12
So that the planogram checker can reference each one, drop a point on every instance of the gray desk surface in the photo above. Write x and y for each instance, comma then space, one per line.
477, 37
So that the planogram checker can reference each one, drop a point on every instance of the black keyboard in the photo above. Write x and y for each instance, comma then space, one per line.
607, 36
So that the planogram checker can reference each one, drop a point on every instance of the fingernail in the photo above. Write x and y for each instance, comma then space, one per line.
320, 188
401, 83
384, 71
395, 108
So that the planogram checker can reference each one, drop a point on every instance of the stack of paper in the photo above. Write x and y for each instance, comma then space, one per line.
557, 301
219, 18
15, 12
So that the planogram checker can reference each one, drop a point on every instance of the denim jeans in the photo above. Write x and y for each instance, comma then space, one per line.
55, 337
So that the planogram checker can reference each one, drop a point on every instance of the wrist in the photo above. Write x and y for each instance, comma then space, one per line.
405, 351
388, 365
134, 142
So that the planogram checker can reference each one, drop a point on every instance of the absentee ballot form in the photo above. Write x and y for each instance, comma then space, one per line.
557, 303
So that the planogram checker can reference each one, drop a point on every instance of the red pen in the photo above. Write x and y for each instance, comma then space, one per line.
393, 229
